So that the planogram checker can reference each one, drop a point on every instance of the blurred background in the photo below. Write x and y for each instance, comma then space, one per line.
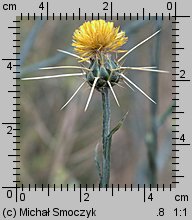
58, 147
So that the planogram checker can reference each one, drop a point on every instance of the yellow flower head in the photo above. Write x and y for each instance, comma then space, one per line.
97, 36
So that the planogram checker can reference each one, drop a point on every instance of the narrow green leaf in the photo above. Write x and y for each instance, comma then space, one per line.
117, 127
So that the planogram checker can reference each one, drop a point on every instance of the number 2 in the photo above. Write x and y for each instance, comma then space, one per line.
10, 129
182, 76
106, 6
86, 197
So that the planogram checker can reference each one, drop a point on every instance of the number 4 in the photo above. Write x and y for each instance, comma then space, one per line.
182, 138
9, 66
41, 6
150, 197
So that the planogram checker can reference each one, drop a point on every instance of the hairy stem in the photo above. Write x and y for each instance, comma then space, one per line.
106, 142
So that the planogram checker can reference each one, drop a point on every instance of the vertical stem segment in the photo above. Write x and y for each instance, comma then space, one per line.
152, 145
106, 142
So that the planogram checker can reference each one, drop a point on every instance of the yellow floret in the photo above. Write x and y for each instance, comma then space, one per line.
97, 36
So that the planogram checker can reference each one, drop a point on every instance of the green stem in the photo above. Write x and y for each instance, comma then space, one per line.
106, 142
153, 143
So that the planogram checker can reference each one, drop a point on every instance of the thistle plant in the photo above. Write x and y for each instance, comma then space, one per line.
97, 46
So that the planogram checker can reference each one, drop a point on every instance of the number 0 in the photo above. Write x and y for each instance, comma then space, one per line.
9, 194
22, 197
169, 6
